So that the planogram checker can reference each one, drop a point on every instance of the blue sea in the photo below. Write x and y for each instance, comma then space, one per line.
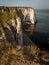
40, 36
42, 17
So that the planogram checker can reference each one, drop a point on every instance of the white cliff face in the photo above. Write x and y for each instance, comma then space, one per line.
19, 32
11, 22
18, 25
22, 11
29, 15
32, 16
19, 29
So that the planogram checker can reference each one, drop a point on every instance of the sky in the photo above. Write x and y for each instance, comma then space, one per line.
37, 4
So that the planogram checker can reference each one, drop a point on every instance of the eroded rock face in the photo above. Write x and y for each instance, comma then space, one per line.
29, 15
25, 13
32, 16
17, 34
14, 27
19, 31
11, 22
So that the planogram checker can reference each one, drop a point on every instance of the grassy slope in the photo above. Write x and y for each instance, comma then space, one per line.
11, 55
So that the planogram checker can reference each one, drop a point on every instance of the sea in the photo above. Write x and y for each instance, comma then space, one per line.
40, 35
42, 17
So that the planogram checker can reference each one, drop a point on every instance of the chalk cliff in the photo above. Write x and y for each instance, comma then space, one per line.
10, 21
26, 14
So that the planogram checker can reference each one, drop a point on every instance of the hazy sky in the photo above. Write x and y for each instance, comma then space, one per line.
39, 4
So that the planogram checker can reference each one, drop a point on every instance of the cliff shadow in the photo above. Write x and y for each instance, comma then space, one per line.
41, 39
14, 31
9, 35
20, 14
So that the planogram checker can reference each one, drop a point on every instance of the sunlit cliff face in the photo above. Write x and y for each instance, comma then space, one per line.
18, 34
18, 25
29, 15
32, 16
25, 13
19, 31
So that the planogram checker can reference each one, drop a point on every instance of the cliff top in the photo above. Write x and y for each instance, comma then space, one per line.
16, 7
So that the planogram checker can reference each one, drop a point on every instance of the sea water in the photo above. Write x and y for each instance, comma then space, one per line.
42, 16
40, 36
